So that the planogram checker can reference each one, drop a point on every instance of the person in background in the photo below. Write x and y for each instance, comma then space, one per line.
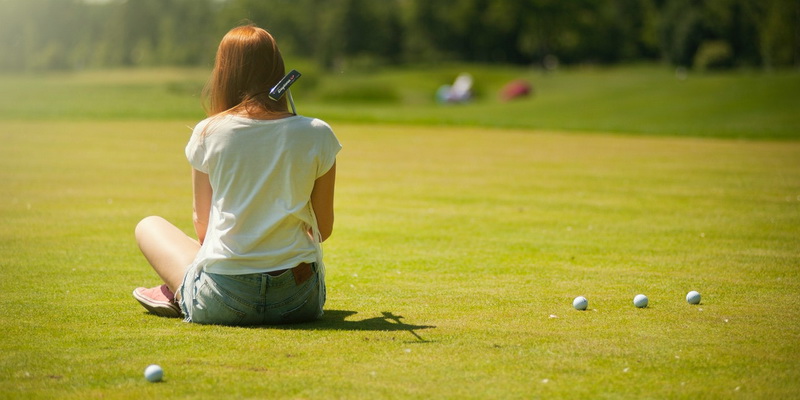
459, 92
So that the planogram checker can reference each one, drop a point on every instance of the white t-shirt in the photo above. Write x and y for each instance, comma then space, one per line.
262, 173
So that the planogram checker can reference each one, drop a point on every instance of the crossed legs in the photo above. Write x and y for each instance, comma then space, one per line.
166, 248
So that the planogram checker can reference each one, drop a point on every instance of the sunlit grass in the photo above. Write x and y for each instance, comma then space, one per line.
455, 258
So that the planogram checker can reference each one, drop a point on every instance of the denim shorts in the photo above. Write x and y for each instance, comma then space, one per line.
252, 299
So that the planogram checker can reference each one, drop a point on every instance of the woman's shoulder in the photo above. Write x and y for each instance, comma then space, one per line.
309, 125
203, 123
297, 123
314, 130
311, 122
212, 123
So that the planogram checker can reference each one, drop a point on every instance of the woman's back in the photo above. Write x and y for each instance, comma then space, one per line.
262, 173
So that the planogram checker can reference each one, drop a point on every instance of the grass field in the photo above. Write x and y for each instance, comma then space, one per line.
451, 271
644, 100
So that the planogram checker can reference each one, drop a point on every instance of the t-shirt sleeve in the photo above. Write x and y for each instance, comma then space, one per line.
330, 147
195, 149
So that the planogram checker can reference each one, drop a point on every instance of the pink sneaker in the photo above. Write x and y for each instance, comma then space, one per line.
158, 300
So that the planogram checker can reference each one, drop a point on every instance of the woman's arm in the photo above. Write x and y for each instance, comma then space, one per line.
201, 203
322, 202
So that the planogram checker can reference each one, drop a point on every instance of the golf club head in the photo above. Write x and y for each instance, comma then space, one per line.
283, 85
283, 88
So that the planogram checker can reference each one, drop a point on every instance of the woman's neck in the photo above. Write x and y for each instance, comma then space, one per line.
259, 113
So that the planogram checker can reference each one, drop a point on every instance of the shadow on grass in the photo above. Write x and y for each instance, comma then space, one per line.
336, 320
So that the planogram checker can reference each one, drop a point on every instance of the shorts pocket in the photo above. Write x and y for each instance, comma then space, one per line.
304, 308
210, 306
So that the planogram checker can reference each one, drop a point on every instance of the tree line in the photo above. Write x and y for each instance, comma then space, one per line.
77, 34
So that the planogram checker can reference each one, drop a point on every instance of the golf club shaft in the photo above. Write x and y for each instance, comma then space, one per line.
291, 101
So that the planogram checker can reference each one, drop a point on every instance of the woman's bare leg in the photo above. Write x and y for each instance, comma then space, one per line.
167, 249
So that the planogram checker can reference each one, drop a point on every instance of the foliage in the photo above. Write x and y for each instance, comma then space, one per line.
75, 34
713, 55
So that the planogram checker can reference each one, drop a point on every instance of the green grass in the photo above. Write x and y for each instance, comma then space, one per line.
475, 237
456, 256
646, 100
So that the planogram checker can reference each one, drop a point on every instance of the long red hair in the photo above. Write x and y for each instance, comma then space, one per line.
247, 66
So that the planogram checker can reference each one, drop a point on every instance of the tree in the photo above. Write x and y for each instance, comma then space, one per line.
779, 42
71, 34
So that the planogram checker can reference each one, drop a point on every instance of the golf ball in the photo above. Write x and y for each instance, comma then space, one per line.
153, 373
693, 297
580, 303
640, 301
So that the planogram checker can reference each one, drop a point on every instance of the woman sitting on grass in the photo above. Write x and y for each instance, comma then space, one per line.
263, 183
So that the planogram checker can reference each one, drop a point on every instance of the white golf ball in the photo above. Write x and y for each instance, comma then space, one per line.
154, 373
580, 303
640, 301
693, 297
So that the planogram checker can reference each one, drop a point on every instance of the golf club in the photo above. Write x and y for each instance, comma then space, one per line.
283, 88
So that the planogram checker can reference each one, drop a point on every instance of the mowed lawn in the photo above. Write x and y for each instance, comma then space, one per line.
451, 272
